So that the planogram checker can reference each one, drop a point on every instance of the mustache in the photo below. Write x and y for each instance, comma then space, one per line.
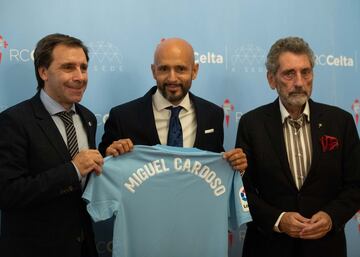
77, 83
298, 92
172, 84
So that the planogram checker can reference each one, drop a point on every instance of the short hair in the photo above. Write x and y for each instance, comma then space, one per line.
295, 45
45, 47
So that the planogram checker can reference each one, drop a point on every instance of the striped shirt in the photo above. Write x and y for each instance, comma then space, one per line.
297, 136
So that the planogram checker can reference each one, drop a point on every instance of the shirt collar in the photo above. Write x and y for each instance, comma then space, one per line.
160, 102
51, 105
285, 114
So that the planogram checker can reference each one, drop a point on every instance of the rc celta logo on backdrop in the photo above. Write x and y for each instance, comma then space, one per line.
251, 58
107, 57
15, 55
208, 57
331, 60
356, 109
228, 108
3, 44
246, 58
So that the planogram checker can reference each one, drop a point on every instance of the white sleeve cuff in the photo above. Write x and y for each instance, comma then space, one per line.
276, 226
77, 170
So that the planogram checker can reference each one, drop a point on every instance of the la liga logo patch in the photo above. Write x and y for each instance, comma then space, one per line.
243, 199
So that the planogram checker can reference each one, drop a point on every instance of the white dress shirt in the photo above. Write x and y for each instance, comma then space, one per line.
53, 108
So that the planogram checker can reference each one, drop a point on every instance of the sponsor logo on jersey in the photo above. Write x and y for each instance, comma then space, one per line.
243, 199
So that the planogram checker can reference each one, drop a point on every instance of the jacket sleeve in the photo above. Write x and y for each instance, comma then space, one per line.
112, 132
347, 202
264, 214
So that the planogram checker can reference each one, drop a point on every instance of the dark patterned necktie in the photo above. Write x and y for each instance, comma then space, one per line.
298, 123
72, 143
175, 136
298, 162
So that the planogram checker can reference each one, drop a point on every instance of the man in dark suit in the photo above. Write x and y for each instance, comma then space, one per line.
146, 120
42, 213
303, 181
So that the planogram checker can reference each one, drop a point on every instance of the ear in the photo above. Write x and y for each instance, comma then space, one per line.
43, 72
153, 69
195, 71
271, 80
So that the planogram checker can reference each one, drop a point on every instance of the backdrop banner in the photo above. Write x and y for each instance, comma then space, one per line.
231, 39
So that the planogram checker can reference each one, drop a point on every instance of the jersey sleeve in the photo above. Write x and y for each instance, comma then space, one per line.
100, 195
239, 208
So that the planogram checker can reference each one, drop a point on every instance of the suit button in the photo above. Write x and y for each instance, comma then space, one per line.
81, 237
299, 197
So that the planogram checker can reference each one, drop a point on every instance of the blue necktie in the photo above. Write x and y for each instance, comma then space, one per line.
175, 136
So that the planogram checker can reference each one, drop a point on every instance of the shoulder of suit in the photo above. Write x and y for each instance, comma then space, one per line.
261, 110
131, 105
328, 109
136, 105
23, 107
202, 103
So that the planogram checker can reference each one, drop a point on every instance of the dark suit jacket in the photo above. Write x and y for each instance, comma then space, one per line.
42, 213
135, 120
332, 184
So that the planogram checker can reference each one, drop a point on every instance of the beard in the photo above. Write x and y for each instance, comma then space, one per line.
297, 98
173, 97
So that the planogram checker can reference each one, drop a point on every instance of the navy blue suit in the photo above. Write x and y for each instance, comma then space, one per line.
135, 120
42, 211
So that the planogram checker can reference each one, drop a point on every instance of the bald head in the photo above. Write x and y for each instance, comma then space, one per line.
175, 45
174, 68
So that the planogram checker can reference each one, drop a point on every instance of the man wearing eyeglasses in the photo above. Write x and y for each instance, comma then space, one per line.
303, 176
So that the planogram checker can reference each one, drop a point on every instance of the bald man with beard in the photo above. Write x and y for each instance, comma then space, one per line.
145, 121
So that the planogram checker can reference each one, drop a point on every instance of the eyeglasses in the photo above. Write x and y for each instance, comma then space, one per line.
290, 75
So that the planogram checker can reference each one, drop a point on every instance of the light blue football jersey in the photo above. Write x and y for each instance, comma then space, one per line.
168, 202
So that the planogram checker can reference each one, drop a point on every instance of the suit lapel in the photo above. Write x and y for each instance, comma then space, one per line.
88, 125
274, 128
49, 128
200, 126
146, 116
316, 125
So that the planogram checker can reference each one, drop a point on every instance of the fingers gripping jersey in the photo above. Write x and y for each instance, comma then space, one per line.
168, 202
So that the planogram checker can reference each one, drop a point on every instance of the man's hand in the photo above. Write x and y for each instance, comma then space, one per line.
87, 161
120, 146
237, 159
318, 226
292, 223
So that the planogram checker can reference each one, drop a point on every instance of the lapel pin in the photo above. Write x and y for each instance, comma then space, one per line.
89, 123
320, 125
